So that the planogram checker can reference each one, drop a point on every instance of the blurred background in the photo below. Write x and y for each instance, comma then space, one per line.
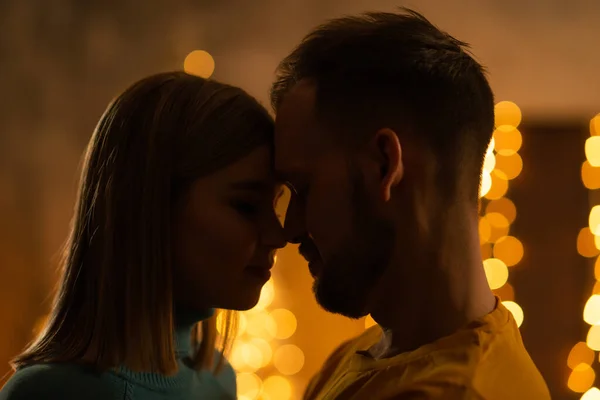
62, 61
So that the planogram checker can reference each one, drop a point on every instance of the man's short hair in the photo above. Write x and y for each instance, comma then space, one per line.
398, 70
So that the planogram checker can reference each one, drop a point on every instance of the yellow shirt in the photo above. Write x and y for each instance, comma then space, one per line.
486, 360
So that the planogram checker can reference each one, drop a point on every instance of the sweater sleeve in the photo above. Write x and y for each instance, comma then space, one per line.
54, 382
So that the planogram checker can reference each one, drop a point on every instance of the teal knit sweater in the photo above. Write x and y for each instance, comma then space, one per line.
75, 382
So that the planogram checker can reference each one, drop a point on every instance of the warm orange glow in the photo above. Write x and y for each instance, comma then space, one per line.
499, 226
515, 310
508, 140
593, 338
592, 150
489, 162
509, 249
286, 323
580, 354
497, 220
485, 230
486, 184
200, 63
591, 311
261, 324
266, 354
506, 292
507, 113
499, 185
586, 245
503, 206
276, 388
597, 269
582, 378
594, 220
248, 385
496, 272
267, 294
511, 165
288, 359
252, 356
592, 394
486, 251
595, 126
590, 176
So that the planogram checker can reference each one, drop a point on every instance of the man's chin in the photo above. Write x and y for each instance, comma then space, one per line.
350, 305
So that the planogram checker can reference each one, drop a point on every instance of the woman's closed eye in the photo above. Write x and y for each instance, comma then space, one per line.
247, 208
253, 209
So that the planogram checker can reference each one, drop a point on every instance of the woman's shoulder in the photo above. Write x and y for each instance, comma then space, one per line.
59, 381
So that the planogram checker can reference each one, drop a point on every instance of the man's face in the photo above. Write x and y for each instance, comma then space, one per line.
334, 213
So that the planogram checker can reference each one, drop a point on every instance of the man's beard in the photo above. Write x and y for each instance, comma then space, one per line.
348, 277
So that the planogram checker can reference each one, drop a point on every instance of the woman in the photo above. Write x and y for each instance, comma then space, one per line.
175, 217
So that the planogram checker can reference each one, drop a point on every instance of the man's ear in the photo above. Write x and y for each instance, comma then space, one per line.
389, 152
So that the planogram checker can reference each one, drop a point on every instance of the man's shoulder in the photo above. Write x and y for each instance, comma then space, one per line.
57, 381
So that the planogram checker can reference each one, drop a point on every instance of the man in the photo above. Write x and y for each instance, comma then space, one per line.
382, 126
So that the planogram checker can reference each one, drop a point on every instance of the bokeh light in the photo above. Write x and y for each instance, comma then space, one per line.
266, 353
261, 324
286, 323
485, 230
499, 185
582, 378
249, 385
508, 140
591, 311
506, 292
586, 243
591, 394
516, 311
590, 176
511, 165
509, 249
580, 354
499, 248
594, 220
288, 359
592, 150
496, 272
199, 63
503, 206
507, 113
267, 295
595, 126
593, 338
486, 184
277, 388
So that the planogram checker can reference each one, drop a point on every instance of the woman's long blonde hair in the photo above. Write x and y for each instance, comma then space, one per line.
114, 305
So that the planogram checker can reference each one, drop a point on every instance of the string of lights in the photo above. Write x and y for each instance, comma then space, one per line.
582, 355
500, 250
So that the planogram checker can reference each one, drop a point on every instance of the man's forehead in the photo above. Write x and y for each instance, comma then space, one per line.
297, 112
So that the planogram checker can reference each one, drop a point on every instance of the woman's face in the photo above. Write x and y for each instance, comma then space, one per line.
225, 233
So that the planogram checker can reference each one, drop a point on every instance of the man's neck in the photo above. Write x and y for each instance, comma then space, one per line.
438, 296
